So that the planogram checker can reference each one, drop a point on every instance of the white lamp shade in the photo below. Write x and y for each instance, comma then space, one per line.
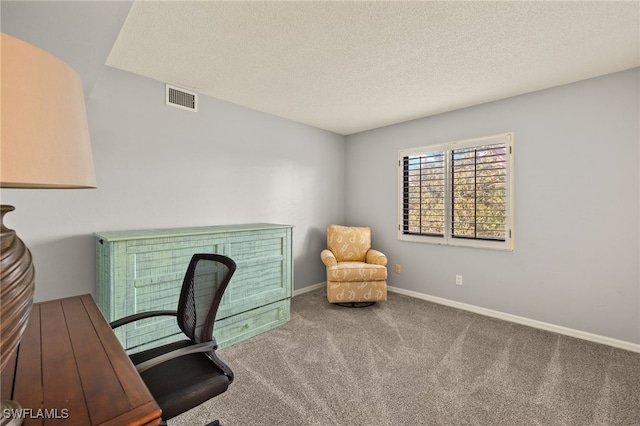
45, 136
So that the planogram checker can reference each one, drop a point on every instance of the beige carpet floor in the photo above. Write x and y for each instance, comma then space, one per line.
412, 362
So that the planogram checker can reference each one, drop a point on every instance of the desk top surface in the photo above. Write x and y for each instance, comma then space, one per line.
71, 369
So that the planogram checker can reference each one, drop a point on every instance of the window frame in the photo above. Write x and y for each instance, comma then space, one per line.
447, 237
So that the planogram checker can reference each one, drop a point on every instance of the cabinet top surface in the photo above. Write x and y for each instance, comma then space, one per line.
169, 232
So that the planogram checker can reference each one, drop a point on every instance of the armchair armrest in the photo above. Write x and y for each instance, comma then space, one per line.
376, 257
328, 258
141, 315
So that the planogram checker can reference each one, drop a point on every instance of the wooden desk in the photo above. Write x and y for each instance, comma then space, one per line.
71, 364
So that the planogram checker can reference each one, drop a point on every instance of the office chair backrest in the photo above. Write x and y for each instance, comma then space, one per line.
204, 283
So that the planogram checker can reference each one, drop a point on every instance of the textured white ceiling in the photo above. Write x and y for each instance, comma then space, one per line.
353, 66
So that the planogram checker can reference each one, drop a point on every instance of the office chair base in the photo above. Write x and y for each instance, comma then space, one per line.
356, 304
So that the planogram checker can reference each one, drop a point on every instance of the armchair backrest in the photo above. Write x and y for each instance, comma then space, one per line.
204, 283
349, 243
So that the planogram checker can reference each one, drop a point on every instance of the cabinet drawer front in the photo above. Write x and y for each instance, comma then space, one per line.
243, 326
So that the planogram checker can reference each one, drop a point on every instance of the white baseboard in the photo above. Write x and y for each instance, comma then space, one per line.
309, 288
621, 344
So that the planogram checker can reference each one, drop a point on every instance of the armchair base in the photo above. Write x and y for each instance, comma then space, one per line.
356, 304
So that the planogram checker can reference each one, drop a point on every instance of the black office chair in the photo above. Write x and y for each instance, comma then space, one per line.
184, 374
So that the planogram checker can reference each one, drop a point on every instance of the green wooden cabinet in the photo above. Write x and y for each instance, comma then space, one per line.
142, 270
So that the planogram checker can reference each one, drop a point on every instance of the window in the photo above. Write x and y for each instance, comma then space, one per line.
458, 193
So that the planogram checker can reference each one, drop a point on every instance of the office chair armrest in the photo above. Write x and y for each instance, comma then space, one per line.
222, 365
198, 347
376, 257
141, 315
328, 258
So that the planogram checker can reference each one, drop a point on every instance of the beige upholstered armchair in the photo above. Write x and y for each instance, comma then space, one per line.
356, 274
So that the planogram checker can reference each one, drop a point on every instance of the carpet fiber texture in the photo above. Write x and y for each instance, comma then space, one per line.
412, 362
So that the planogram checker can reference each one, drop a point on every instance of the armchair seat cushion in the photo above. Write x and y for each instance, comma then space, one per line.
356, 271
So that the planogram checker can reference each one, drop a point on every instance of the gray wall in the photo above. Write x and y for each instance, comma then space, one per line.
159, 166
576, 257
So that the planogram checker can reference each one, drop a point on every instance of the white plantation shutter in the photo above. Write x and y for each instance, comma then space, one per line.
424, 193
459, 193
479, 192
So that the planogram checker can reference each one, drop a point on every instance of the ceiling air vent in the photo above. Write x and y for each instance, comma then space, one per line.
181, 98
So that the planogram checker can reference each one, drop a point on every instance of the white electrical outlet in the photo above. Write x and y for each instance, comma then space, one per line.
397, 268
458, 279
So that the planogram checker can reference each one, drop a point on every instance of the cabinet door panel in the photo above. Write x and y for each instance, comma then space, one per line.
260, 276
